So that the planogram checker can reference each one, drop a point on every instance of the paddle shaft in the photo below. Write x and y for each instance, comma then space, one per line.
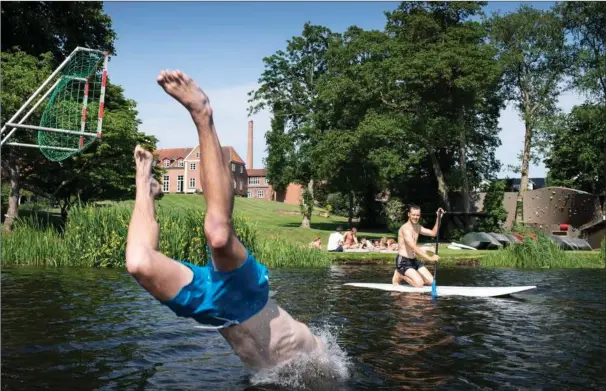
437, 244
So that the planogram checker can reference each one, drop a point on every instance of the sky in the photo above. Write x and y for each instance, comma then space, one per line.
221, 45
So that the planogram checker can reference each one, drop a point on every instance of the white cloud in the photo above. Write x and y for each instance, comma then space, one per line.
170, 123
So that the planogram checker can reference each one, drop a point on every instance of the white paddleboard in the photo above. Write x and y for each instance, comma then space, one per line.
472, 291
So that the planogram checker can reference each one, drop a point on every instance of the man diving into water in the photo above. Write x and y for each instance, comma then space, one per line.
408, 267
230, 293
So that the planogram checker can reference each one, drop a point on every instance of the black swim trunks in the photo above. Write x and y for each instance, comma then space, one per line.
403, 264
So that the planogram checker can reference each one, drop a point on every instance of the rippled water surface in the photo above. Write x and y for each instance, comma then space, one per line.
66, 329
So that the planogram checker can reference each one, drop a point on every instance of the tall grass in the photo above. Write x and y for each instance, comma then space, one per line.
33, 243
96, 237
539, 253
603, 251
275, 252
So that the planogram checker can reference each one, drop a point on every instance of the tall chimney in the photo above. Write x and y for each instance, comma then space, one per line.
250, 145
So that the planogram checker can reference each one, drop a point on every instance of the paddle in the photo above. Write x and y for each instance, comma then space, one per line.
434, 292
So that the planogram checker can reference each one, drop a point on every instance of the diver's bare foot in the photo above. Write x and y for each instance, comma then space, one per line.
185, 90
145, 182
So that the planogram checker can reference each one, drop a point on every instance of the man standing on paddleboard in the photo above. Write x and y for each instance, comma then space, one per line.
408, 267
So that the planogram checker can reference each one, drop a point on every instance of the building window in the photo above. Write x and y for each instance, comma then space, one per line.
240, 182
233, 167
253, 180
249, 194
234, 185
180, 163
198, 155
192, 183
179, 183
165, 183
167, 163
241, 169
260, 194
192, 166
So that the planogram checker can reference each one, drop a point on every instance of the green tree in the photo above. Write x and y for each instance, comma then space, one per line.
578, 150
21, 75
281, 158
444, 76
586, 21
532, 51
389, 98
364, 149
288, 87
38, 27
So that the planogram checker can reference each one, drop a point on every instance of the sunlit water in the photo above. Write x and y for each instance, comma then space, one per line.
66, 329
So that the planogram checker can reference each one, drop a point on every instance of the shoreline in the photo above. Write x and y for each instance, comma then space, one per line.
582, 259
588, 260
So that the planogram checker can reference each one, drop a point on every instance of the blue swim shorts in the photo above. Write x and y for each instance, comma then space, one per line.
221, 299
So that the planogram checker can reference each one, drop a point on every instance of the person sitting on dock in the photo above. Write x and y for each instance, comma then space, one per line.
316, 243
335, 241
350, 239
231, 292
408, 267
366, 244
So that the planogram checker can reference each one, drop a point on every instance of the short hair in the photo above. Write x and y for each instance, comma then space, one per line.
339, 228
414, 206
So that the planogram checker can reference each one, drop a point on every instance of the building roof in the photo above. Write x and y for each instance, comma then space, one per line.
233, 155
171, 153
175, 153
256, 172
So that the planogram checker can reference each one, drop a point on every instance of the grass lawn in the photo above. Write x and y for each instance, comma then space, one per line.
275, 218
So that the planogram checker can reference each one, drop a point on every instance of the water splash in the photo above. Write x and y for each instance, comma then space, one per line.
315, 371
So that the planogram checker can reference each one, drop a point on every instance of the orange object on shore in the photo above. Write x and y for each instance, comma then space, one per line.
518, 236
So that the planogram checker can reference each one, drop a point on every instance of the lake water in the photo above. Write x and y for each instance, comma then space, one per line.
67, 329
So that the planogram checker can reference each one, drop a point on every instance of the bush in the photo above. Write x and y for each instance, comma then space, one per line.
395, 212
539, 253
496, 215
339, 203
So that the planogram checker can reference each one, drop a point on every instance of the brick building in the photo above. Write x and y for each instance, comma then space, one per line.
259, 187
182, 175
182, 167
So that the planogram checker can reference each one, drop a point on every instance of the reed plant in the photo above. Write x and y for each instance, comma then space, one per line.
276, 253
33, 243
96, 237
539, 253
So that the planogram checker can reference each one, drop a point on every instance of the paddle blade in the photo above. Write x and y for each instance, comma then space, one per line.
434, 291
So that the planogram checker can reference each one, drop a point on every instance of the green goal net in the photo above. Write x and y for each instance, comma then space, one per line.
71, 120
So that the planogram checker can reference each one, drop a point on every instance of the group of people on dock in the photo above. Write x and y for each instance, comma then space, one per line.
339, 242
